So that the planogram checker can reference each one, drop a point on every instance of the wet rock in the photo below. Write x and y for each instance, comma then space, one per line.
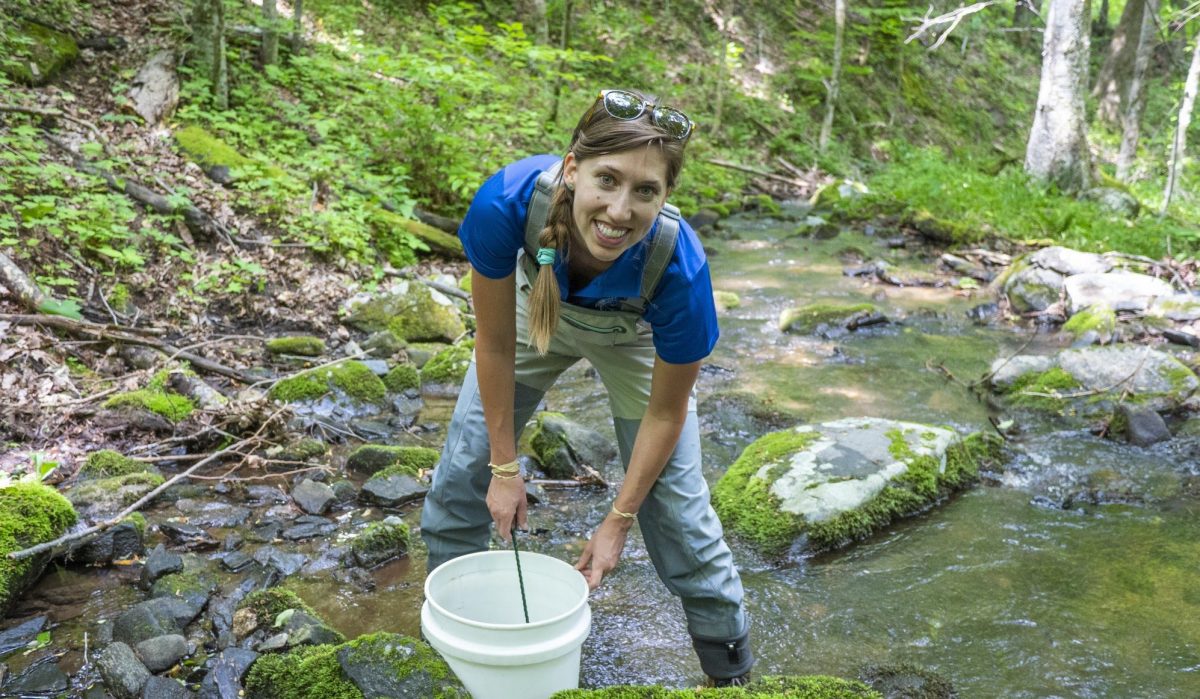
389, 665
312, 497
1143, 426
344, 492
1006, 371
232, 542
265, 494
162, 652
43, 679
821, 317
409, 310
984, 313
219, 515
702, 218
266, 532
1181, 338
286, 563
370, 459
309, 527
392, 490
379, 542
235, 561
226, 670
121, 542
562, 446
1067, 262
123, 673
823, 486
188, 536
160, 562
304, 629
165, 688
20, 635
277, 642
1120, 291
141, 622
740, 414
905, 681
1033, 289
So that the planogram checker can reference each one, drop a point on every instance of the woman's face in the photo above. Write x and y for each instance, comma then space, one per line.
617, 198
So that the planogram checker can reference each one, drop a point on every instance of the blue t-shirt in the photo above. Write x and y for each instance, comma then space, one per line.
682, 313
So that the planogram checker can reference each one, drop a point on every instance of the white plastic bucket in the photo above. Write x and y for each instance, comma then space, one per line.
472, 616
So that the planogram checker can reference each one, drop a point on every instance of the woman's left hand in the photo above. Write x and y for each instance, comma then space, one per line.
603, 550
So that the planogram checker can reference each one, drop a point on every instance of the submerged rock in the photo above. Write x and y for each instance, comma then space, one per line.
380, 542
562, 446
43, 679
824, 486
821, 317
20, 635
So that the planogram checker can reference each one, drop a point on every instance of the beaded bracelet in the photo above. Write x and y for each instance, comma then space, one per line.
623, 515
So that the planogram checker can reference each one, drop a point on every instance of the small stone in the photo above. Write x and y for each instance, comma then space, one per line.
286, 563
266, 532
188, 536
309, 527
160, 562
165, 688
393, 491
235, 561
123, 673
233, 541
245, 622
1143, 426
345, 492
277, 642
304, 629
161, 653
312, 497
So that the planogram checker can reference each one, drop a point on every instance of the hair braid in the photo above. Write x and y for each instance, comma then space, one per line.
544, 299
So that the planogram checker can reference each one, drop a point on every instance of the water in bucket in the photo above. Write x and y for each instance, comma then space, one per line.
472, 615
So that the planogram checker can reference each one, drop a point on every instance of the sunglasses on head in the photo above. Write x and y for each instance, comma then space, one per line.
627, 106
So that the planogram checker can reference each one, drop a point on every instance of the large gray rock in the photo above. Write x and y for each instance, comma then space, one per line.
41, 680
392, 490
1067, 262
141, 622
312, 497
1120, 291
409, 310
1033, 289
162, 652
160, 562
1006, 370
123, 673
1144, 427
122, 542
387, 665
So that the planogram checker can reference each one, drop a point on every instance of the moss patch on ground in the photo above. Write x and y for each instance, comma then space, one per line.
1043, 390
172, 406
402, 377
34, 44
270, 603
107, 463
302, 345
315, 672
450, 365
376, 458
807, 319
30, 514
380, 541
794, 687
354, 379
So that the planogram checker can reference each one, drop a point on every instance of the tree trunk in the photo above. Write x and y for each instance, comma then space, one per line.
533, 15
270, 42
1135, 99
203, 29
297, 26
220, 70
564, 44
839, 19
1181, 126
1101, 27
1112, 82
1058, 152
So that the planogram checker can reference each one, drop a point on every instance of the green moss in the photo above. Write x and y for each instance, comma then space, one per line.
209, 151
303, 450
1102, 319
450, 365
375, 458
763, 203
726, 300
270, 603
1043, 390
138, 520
402, 377
1181, 378
381, 540
31, 43
791, 687
465, 283
185, 585
172, 406
410, 313
806, 319
307, 672
350, 377
302, 345
745, 502
115, 492
107, 463
939, 229
30, 514
118, 297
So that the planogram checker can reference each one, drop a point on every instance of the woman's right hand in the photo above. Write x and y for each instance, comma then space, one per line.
507, 502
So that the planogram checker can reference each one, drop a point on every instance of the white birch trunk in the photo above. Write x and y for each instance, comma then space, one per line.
1181, 126
1135, 98
1057, 152
834, 85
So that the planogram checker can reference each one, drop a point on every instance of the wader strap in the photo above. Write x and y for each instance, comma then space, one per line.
662, 248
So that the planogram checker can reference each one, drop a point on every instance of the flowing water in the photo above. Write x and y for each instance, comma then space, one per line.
1025, 586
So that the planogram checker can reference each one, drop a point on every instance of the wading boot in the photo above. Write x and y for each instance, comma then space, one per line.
726, 663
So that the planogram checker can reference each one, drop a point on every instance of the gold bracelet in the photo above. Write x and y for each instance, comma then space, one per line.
510, 467
623, 515
504, 477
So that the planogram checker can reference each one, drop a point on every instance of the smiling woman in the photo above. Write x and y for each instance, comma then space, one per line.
589, 240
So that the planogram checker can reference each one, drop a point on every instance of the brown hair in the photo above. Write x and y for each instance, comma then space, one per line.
598, 133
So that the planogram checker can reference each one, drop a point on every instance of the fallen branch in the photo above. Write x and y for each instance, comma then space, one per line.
759, 173
128, 336
952, 18
120, 517
13, 277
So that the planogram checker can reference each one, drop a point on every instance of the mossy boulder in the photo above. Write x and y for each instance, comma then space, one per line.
726, 300
107, 463
814, 317
101, 497
266, 605
1119, 290
1099, 319
1032, 289
34, 53
156, 399
409, 310
1091, 381
940, 230
402, 377
379, 542
30, 514
349, 378
561, 445
787, 687
301, 345
375, 665
372, 458
449, 366
819, 487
